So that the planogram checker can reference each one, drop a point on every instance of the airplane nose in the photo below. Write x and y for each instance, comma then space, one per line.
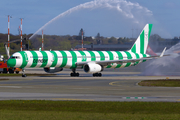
11, 62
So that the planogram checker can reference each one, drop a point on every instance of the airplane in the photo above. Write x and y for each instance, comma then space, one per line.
92, 62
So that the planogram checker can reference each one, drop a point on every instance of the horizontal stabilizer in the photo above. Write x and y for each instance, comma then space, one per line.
162, 54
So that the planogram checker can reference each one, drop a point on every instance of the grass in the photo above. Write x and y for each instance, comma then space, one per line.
80, 110
162, 83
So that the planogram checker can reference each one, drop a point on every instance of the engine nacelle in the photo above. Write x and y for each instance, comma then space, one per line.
52, 69
92, 68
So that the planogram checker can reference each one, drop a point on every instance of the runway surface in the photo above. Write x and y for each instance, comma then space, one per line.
112, 86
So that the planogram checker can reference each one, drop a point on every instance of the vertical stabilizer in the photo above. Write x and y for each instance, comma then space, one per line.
140, 46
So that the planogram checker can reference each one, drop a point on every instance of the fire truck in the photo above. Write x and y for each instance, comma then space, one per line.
5, 69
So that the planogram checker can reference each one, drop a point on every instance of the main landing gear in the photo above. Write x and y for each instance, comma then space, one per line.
97, 75
23, 73
74, 74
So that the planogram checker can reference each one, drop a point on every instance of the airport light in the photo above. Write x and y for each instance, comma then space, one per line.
9, 31
42, 41
82, 40
21, 32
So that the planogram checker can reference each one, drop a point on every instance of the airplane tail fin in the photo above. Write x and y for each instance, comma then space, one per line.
140, 46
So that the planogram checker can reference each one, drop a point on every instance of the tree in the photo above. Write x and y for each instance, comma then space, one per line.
112, 40
98, 36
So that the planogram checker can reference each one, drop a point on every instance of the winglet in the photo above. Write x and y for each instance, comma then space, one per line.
162, 54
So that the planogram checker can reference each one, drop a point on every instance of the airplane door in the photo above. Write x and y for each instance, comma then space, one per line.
53, 58
26, 57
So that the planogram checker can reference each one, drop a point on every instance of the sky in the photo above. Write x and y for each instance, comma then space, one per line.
118, 18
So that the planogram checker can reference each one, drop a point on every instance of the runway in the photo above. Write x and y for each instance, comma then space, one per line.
112, 86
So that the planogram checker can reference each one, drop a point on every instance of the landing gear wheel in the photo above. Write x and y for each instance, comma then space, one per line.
97, 75
74, 74
11, 71
24, 75
17, 72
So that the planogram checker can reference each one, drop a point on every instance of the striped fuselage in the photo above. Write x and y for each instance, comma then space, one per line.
68, 59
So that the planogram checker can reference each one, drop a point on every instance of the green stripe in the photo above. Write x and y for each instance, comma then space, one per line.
83, 55
144, 55
120, 57
150, 28
45, 59
134, 48
11, 62
128, 57
55, 59
101, 55
74, 59
93, 57
24, 62
35, 57
142, 43
110, 58
64, 58
137, 57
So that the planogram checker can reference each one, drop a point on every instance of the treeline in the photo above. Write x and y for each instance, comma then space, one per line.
66, 42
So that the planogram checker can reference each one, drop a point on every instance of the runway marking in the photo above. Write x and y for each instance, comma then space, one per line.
139, 98
114, 83
71, 99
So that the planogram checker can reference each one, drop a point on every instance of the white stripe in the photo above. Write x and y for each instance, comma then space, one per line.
59, 61
133, 57
88, 56
30, 58
39, 54
50, 58
18, 61
115, 55
138, 45
146, 34
124, 58
69, 59
106, 55
97, 55
79, 56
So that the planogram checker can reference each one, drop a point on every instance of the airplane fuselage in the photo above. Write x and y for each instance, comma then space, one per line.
68, 59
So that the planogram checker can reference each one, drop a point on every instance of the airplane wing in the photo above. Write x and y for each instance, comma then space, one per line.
109, 62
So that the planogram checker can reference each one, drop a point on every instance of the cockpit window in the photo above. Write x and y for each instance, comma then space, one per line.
15, 57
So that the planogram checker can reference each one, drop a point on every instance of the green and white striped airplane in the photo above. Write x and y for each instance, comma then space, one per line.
91, 61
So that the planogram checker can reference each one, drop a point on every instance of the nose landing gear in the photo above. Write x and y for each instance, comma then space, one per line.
23, 73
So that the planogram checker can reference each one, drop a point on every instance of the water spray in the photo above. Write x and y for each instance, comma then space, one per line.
124, 7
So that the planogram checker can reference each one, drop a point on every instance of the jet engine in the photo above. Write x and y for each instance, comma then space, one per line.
52, 69
92, 68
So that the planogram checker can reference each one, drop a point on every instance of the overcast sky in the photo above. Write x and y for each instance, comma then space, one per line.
108, 17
